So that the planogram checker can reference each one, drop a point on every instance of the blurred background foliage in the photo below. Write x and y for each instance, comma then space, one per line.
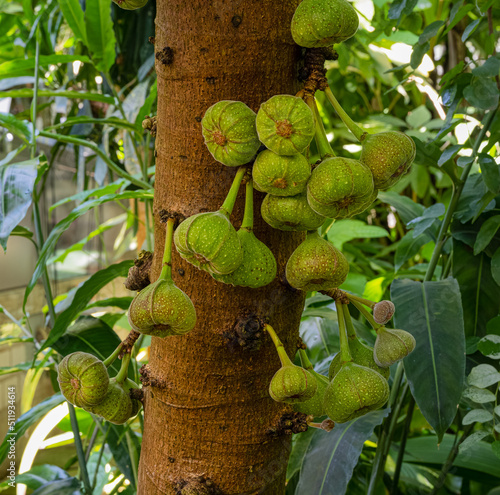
79, 187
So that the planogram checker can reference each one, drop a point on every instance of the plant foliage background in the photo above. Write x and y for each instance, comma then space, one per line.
83, 73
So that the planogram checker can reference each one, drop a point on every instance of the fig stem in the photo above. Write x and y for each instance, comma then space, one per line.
122, 374
324, 147
228, 205
166, 270
358, 132
366, 302
367, 315
304, 359
247, 222
351, 332
285, 360
345, 353
112, 357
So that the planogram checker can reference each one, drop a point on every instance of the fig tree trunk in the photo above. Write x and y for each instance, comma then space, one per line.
209, 419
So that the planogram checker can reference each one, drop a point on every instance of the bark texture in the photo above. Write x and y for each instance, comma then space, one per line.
208, 414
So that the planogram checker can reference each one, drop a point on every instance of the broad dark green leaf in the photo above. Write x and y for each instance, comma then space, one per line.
23, 67
16, 183
101, 39
478, 288
423, 222
471, 198
299, 450
83, 296
432, 313
20, 128
73, 13
418, 54
495, 267
348, 229
486, 233
470, 29
490, 171
490, 68
39, 475
482, 93
430, 31
63, 225
28, 93
400, 7
408, 247
449, 153
117, 443
406, 208
70, 486
331, 456
28, 419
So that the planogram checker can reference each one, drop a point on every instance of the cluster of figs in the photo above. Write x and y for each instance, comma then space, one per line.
299, 197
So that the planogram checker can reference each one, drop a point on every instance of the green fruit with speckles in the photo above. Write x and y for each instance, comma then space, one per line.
340, 187
258, 267
292, 384
230, 134
210, 242
83, 379
314, 405
319, 23
285, 124
117, 406
290, 213
362, 355
354, 391
130, 4
280, 175
388, 155
162, 309
316, 264
392, 345
136, 404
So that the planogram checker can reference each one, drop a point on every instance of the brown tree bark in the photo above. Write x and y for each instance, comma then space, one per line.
208, 414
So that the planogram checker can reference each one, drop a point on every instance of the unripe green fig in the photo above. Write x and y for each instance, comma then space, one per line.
130, 4
383, 312
162, 309
83, 379
128, 385
388, 155
290, 213
285, 124
316, 264
209, 241
314, 406
392, 345
354, 391
280, 175
340, 188
117, 406
292, 384
319, 23
258, 267
362, 355
230, 134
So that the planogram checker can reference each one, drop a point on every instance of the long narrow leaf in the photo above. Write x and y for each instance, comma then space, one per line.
73, 13
28, 93
20, 67
100, 33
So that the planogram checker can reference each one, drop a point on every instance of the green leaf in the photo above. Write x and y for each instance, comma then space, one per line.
477, 416
432, 313
82, 95
419, 117
470, 29
146, 108
430, 31
495, 267
83, 296
400, 7
117, 302
63, 225
479, 290
471, 440
300, 444
478, 395
28, 419
491, 172
331, 456
449, 153
482, 93
486, 233
39, 475
408, 247
20, 128
418, 54
490, 68
452, 73
71, 486
495, 447
111, 121
73, 13
346, 230
406, 208
423, 222
483, 376
16, 183
21, 67
101, 39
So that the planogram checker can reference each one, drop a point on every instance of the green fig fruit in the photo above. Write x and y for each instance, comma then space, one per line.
383, 312
314, 406
340, 188
117, 406
210, 242
128, 385
83, 379
290, 213
258, 267
285, 124
354, 391
229, 131
280, 175
162, 309
392, 345
292, 384
316, 264
388, 155
130, 4
362, 355
319, 23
